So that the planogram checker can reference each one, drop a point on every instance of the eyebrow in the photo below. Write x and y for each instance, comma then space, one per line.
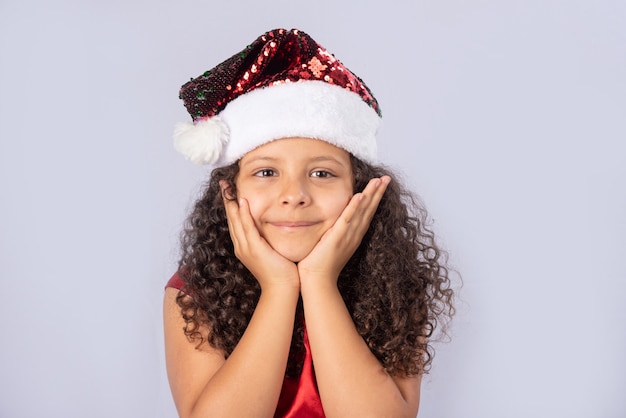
320, 158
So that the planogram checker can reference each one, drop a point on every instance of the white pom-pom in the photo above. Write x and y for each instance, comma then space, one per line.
202, 142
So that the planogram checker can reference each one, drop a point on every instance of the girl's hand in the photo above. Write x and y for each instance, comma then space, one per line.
268, 267
338, 244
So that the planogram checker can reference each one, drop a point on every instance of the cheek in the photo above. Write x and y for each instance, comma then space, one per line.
337, 207
247, 193
256, 207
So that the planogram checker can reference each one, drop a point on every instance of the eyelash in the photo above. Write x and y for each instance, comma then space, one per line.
268, 172
263, 172
326, 174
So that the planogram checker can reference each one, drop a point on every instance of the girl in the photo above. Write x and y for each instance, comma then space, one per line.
308, 283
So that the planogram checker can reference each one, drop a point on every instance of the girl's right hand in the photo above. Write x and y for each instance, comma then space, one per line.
268, 266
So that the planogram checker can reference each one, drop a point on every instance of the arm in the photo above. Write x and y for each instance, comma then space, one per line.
248, 383
350, 378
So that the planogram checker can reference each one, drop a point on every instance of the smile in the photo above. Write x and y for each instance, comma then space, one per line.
290, 225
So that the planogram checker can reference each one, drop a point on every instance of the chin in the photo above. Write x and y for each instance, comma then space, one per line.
294, 254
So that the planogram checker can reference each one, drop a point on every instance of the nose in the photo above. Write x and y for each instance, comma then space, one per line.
294, 192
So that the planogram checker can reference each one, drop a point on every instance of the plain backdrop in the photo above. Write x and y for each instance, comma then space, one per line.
508, 117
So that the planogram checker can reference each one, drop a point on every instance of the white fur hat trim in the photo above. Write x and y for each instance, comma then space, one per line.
308, 109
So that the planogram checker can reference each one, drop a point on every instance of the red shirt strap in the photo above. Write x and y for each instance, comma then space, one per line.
176, 282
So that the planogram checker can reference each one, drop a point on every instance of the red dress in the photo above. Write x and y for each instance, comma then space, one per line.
299, 397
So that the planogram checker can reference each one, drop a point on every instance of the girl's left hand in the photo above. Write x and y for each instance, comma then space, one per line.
338, 244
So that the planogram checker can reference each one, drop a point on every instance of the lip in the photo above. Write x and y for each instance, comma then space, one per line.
299, 224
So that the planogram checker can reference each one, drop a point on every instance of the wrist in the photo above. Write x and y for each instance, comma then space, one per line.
318, 283
282, 289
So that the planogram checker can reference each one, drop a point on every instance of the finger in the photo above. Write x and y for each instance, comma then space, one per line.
372, 195
228, 201
363, 205
232, 215
247, 222
376, 187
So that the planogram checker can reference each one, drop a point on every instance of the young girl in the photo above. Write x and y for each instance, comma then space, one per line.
308, 284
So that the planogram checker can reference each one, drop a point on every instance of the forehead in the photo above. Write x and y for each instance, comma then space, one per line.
297, 148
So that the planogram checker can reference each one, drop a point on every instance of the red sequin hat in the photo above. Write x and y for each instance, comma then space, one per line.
282, 85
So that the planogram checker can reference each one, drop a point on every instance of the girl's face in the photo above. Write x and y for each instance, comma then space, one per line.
296, 188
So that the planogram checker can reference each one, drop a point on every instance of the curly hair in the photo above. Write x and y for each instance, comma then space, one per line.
396, 286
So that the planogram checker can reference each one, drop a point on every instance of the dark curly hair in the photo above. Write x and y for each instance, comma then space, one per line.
396, 286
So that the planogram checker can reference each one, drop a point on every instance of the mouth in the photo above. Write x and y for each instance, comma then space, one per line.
287, 225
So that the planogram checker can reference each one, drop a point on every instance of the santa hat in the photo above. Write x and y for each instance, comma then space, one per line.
282, 85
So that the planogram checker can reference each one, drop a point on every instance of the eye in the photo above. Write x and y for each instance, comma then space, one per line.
322, 174
265, 172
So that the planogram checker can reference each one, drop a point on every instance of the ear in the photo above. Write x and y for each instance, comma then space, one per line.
227, 190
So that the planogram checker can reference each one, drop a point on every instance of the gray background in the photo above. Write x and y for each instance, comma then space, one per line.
508, 117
